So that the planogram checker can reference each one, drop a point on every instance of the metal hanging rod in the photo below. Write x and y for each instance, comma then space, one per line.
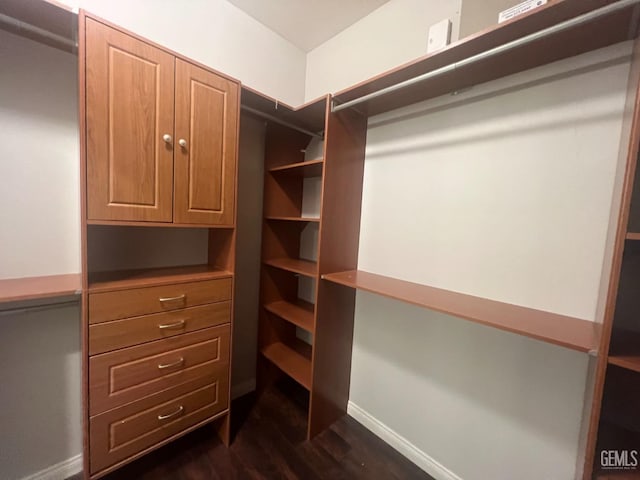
37, 308
271, 118
17, 26
567, 24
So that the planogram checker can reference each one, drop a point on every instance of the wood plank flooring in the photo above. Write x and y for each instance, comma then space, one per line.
270, 444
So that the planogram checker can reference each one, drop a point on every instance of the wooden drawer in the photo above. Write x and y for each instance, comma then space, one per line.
105, 337
129, 374
118, 434
107, 306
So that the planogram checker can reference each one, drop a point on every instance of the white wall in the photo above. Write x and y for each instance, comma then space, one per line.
39, 166
41, 391
502, 192
40, 235
476, 15
478, 402
508, 192
393, 34
215, 33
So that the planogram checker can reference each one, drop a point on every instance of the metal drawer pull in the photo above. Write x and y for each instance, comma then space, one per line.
162, 366
178, 324
172, 414
172, 299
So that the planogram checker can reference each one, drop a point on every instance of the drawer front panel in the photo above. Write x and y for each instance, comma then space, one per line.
120, 433
105, 337
129, 374
106, 306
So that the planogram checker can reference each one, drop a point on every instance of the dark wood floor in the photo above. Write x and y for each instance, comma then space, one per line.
270, 444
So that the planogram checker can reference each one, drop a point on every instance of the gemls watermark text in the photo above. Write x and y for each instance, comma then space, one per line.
619, 459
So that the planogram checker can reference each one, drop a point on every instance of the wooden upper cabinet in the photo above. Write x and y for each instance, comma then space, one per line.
205, 153
145, 161
129, 108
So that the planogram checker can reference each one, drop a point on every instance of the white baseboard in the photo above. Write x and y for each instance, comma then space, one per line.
59, 471
401, 444
243, 388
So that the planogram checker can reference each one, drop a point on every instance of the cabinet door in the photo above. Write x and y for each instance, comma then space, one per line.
206, 146
130, 95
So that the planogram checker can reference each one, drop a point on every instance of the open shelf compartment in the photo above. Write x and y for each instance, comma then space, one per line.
624, 348
295, 265
630, 362
294, 219
292, 358
124, 279
308, 168
616, 438
298, 312
156, 256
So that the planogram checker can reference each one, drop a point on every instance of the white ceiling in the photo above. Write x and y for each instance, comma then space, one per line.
308, 23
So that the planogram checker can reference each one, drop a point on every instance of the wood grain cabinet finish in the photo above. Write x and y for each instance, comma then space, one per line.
106, 306
129, 431
108, 336
129, 374
146, 161
129, 109
205, 156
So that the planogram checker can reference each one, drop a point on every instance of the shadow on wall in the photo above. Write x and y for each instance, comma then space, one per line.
249, 241
40, 378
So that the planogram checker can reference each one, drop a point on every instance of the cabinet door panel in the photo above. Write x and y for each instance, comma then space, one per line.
205, 167
130, 101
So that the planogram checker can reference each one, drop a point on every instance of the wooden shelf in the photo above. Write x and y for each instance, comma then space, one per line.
310, 168
630, 362
633, 236
299, 313
33, 288
624, 349
624, 344
303, 267
293, 360
613, 28
561, 330
124, 279
293, 219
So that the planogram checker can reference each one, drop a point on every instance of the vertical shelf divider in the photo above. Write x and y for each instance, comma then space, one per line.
345, 140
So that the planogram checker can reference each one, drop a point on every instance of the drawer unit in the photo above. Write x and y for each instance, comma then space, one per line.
106, 306
119, 434
126, 375
108, 336
156, 329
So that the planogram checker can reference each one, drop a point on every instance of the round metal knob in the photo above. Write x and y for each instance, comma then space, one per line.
167, 138
182, 142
